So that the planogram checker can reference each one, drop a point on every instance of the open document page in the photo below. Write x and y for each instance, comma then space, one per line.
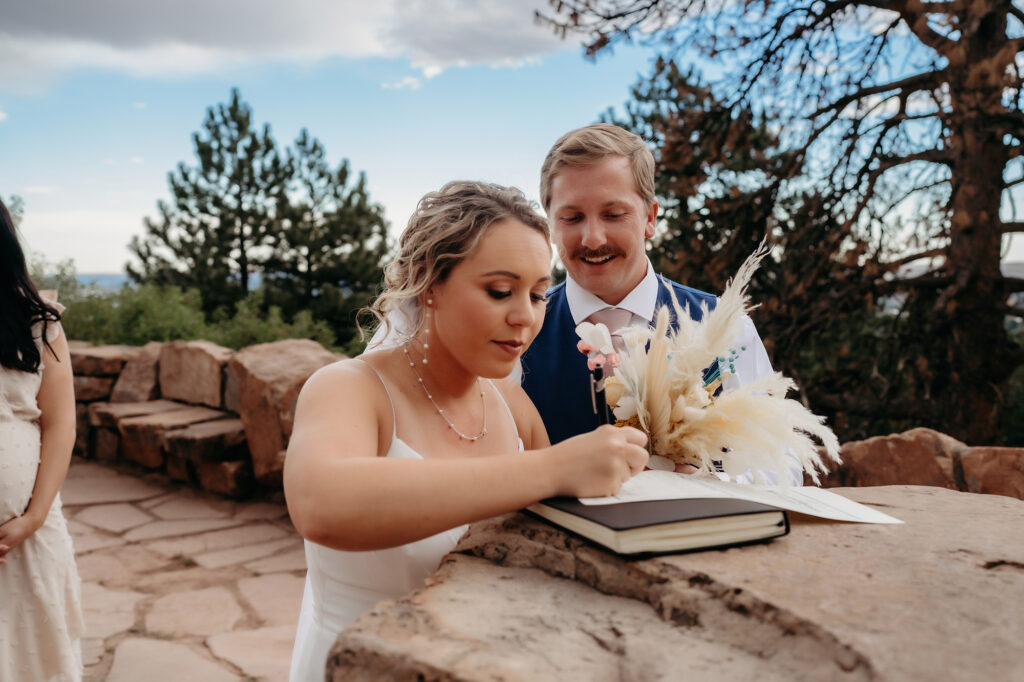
666, 485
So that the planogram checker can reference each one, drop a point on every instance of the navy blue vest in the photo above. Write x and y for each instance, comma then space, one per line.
555, 373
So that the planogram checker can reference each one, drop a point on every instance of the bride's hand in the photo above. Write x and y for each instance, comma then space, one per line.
598, 463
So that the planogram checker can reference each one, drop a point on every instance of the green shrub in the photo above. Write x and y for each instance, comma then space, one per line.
136, 315
249, 325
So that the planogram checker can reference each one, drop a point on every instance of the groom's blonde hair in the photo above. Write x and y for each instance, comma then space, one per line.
593, 144
445, 229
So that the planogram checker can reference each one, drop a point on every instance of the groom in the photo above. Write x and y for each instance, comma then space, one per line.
597, 187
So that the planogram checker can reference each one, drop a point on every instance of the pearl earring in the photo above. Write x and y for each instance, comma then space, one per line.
426, 328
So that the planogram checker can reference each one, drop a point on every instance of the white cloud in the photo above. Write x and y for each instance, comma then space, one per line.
108, 162
39, 189
3, 116
139, 105
137, 159
410, 82
42, 39
438, 34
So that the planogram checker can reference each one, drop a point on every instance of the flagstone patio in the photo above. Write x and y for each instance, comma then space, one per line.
178, 584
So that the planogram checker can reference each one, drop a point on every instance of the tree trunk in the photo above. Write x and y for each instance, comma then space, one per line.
977, 345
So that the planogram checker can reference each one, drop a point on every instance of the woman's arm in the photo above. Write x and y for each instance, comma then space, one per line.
342, 495
56, 400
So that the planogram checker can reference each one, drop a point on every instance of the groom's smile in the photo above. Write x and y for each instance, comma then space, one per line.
600, 224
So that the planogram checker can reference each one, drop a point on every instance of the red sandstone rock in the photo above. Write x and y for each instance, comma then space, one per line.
937, 598
193, 372
138, 379
107, 444
992, 470
90, 388
270, 376
946, 448
108, 414
82, 430
214, 441
178, 468
142, 437
99, 361
909, 458
231, 400
233, 479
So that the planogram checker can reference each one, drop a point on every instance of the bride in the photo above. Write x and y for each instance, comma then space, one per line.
395, 451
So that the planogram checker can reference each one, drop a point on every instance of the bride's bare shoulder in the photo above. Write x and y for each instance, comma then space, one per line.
349, 377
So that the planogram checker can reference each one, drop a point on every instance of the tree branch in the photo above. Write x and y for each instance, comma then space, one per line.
1015, 11
925, 281
915, 13
1010, 311
930, 253
908, 84
1009, 228
1013, 120
1013, 284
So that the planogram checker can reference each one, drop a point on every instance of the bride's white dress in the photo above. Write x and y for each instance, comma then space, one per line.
341, 586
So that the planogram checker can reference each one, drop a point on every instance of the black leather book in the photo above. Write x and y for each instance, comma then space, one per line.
665, 526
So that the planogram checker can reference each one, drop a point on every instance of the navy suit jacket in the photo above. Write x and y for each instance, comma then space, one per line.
555, 373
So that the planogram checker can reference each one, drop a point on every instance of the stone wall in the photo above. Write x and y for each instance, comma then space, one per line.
221, 419
199, 412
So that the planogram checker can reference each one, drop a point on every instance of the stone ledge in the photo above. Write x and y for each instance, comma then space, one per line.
109, 414
97, 361
142, 437
934, 598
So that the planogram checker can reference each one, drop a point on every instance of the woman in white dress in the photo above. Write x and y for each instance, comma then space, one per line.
40, 612
394, 452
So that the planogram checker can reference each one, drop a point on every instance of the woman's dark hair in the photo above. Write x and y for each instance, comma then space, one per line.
21, 306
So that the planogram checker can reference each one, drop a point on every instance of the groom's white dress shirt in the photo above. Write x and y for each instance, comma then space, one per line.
751, 364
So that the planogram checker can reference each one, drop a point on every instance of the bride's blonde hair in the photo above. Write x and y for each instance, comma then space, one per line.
445, 229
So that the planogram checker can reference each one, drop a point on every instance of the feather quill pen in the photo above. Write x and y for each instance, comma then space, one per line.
752, 429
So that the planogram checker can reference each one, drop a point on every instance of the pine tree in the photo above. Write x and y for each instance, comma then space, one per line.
329, 249
308, 231
221, 223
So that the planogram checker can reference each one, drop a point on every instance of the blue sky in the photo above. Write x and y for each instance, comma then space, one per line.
98, 100
94, 117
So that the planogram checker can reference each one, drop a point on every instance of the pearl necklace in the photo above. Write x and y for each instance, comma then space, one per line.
460, 434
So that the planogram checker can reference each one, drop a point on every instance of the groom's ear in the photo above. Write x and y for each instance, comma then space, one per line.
652, 220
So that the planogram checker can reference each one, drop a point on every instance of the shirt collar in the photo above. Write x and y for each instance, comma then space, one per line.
640, 301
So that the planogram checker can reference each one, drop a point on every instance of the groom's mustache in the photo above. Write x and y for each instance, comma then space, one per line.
597, 254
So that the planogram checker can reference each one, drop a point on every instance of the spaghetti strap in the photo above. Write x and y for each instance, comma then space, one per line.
508, 411
394, 417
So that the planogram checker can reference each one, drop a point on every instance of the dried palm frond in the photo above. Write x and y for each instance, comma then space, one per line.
752, 429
